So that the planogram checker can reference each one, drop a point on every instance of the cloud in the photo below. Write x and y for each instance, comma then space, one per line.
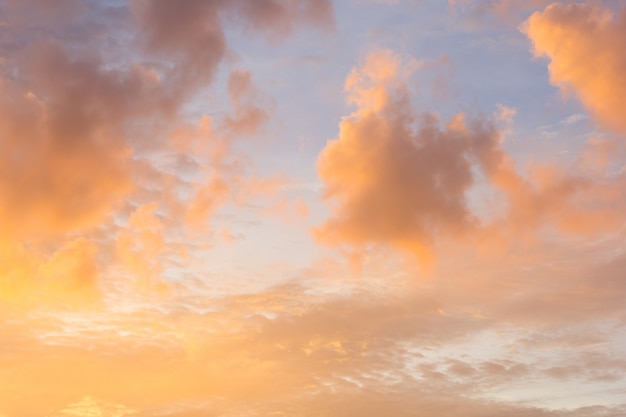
140, 247
222, 177
84, 120
69, 277
396, 176
278, 17
192, 33
354, 353
72, 121
75, 265
251, 109
560, 198
64, 157
90, 407
209, 196
110, 175
584, 43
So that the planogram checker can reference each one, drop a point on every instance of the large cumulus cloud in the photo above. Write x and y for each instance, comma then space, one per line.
395, 175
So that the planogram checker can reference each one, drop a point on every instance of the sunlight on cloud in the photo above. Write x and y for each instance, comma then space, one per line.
395, 183
584, 43
169, 248
89, 407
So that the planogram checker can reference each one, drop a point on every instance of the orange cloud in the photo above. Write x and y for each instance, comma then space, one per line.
395, 176
223, 177
89, 406
584, 43
561, 198
68, 277
198, 354
139, 248
209, 197
65, 163
65, 116
80, 138
82, 119
74, 266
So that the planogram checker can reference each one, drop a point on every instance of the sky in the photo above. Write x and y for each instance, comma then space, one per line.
312, 208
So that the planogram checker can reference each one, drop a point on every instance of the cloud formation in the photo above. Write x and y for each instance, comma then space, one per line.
143, 271
396, 176
584, 43
64, 157
84, 123
192, 33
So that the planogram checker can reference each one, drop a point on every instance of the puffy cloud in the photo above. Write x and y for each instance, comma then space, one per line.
81, 118
192, 32
387, 345
68, 113
584, 43
64, 157
396, 176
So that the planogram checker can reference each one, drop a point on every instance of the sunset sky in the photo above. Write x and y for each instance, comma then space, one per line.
312, 208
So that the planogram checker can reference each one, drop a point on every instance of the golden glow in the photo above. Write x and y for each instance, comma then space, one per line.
207, 210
